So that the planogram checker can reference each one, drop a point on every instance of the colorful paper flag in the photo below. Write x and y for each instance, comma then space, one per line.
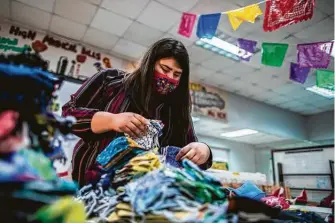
246, 14
249, 47
207, 25
298, 74
325, 79
187, 24
279, 13
314, 55
273, 54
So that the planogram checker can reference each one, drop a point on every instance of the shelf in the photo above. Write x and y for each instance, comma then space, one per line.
69, 79
311, 189
306, 174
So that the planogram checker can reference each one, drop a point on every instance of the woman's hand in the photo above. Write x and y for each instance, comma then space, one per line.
197, 152
133, 124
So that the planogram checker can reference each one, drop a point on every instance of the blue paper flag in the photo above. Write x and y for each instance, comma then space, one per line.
207, 25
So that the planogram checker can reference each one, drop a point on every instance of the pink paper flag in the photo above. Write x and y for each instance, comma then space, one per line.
187, 24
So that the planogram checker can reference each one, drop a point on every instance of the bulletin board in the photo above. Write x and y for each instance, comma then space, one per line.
305, 168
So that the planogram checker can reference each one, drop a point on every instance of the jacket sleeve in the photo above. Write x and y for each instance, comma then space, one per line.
191, 137
88, 100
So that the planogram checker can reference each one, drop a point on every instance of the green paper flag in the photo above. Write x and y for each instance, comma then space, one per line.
273, 54
325, 79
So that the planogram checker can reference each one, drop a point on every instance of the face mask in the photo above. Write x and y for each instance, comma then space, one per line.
163, 84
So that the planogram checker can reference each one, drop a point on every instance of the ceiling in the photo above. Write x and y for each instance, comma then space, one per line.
126, 28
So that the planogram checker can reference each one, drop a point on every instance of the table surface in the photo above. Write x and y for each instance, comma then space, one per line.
312, 209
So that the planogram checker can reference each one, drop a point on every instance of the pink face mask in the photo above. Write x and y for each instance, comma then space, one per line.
163, 84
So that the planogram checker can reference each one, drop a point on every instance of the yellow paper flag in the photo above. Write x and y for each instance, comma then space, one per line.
247, 14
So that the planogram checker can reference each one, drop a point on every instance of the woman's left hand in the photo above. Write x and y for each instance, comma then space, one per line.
197, 152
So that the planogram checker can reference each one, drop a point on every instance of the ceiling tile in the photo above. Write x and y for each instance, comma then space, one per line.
311, 98
200, 73
218, 63
174, 31
258, 34
110, 22
65, 8
95, 2
128, 8
285, 89
328, 107
326, 6
185, 41
264, 97
159, 16
67, 28
323, 30
300, 93
323, 102
291, 104
317, 17
129, 49
142, 34
100, 39
292, 49
46, 5
212, 6
30, 16
311, 111
220, 80
182, 6
198, 54
238, 69
279, 99
5, 8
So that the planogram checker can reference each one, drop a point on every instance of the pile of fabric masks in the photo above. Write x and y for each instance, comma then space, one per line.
30, 190
135, 180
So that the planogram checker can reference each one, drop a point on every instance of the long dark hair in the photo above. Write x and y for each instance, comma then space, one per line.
177, 105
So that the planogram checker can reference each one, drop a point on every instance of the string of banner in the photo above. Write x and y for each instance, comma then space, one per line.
277, 14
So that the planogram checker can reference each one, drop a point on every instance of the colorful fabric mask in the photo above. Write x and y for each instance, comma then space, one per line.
150, 140
163, 84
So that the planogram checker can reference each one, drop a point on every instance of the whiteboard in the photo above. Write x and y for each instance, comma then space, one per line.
305, 161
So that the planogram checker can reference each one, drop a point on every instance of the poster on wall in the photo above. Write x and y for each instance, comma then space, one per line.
64, 57
220, 165
208, 101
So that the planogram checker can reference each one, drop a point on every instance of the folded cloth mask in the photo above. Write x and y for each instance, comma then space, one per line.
151, 139
249, 190
169, 156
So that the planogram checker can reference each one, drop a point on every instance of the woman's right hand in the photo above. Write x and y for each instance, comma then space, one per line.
133, 124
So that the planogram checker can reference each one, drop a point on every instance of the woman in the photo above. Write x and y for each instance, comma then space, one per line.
112, 103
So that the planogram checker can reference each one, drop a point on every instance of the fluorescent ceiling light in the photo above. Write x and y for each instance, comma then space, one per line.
195, 119
239, 133
321, 91
231, 48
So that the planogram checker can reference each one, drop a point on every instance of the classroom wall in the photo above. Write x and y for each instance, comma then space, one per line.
241, 156
320, 127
